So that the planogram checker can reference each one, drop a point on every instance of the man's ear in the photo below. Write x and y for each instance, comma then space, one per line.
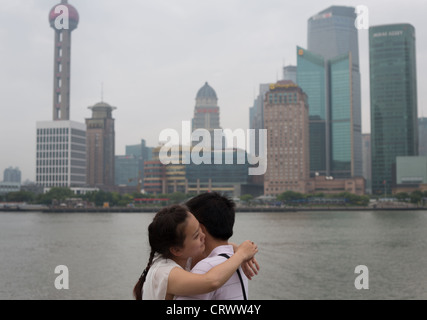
176, 251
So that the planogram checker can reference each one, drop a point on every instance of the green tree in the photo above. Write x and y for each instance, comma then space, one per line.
99, 197
364, 200
246, 198
416, 196
115, 199
352, 199
289, 196
139, 195
402, 196
176, 197
20, 196
102, 197
55, 195
125, 200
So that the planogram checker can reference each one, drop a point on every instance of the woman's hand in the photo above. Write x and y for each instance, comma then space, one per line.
247, 249
250, 268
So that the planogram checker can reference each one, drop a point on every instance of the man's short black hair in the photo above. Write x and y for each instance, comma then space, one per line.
216, 212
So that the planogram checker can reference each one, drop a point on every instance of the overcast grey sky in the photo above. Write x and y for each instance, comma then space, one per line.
154, 55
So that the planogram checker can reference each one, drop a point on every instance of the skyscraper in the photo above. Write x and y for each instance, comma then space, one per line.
206, 111
129, 169
61, 154
329, 74
312, 77
422, 136
290, 73
63, 18
286, 121
331, 33
61, 143
367, 161
393, 81
12, 175
256, 114
100, 137
154, 174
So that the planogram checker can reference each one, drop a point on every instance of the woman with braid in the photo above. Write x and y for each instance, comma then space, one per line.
174, 237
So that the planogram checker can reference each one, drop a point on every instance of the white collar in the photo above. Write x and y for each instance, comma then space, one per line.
228, 249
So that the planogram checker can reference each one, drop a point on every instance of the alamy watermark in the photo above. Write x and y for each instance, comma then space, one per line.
62, 21
62, 281
362, 280
360, 283
177, 150
362, 19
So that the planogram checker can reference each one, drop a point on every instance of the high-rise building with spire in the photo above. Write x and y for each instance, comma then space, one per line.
206, 111
63, 18
61, 143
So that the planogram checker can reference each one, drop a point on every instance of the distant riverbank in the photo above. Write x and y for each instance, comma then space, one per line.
238, 209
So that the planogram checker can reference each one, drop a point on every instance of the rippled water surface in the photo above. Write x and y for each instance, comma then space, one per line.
303, 255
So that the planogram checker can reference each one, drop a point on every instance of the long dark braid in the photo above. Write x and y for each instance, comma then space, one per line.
137, 290
166, 231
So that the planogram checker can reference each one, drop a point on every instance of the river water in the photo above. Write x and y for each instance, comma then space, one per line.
303, 255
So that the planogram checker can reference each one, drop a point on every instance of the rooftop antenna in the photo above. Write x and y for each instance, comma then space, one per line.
102, 91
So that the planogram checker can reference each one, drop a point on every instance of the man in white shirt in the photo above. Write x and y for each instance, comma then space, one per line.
216, 214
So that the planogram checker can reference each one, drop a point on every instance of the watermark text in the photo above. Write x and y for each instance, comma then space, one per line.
177, 150
62, 281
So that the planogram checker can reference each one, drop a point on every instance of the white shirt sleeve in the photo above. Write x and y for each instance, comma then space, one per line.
156, 284
200, 268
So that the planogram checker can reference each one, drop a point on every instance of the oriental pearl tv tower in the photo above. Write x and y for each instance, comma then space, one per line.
63, 18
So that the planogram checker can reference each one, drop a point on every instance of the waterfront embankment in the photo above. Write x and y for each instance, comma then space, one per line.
238, 209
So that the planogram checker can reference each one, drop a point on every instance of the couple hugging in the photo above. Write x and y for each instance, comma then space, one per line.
191, 258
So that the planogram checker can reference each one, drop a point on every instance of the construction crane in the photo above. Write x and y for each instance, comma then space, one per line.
139, 179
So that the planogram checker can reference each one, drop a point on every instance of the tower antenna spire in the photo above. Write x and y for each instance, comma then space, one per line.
62, 59
102, 91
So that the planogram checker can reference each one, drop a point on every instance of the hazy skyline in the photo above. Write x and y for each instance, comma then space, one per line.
153, 56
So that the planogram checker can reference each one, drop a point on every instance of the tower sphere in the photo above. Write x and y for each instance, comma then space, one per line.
73, 15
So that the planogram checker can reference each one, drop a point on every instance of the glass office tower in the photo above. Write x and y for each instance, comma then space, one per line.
393, 81
422, 136
333, 55
331, 33
311, 76
340, 116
